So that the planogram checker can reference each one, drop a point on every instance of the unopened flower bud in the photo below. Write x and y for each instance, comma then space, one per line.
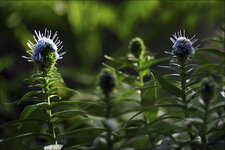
107, 83
137, 46
207, 89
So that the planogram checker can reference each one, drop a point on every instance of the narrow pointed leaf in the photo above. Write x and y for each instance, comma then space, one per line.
167, 85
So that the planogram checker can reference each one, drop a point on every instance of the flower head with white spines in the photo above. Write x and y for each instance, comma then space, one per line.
45, 51
44, 44
182, 46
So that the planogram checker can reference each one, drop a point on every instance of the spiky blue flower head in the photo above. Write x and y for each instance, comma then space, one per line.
42, 44
182, 46
45, 52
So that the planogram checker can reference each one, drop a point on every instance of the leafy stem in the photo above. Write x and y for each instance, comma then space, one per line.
46, 88
183, 84
142, 84
108, 109
183, 96
204, 128
108, 115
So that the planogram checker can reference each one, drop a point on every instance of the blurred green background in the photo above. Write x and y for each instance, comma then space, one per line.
89, 30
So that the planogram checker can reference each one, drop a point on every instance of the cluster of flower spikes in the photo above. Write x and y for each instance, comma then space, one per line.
182, 46
45, 52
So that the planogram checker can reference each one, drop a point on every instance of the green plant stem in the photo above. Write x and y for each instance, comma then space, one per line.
150, 138
155, 84
204, 128
108, 109
183, 97
183, 85
141, 80
47, 98
108, 115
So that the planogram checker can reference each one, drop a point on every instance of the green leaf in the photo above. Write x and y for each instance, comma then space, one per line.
132, 80
83, 131
149, 98
149, 108
120, 63
78, 146
216, 137
78, 124
137, 141
26, 135
192, 83
147, 62
67, 104
168, 100
27, 111
28, 95
55, 89
196, 121
190, 70
213, 51
18, 122
165, 127
52, 81
168, 67
128, 100
137, 114
213, 40
207, 70
160, 119
167, 85
67, 114
52, 90
135, 123
68, 90
30, 99
217, 106
201, 59
149, 84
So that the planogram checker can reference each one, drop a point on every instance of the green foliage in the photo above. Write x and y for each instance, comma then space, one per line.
134, 115
141, 101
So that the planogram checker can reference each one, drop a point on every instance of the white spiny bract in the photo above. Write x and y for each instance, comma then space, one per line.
182, 46
44, 44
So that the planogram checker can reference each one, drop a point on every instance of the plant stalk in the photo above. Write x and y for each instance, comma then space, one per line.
204, 128
183, 97
141, 80
47, 98
108, 115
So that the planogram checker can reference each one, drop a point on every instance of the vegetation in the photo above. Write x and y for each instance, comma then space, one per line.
139, 97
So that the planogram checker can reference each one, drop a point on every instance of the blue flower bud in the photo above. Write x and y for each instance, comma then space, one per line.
182, 46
